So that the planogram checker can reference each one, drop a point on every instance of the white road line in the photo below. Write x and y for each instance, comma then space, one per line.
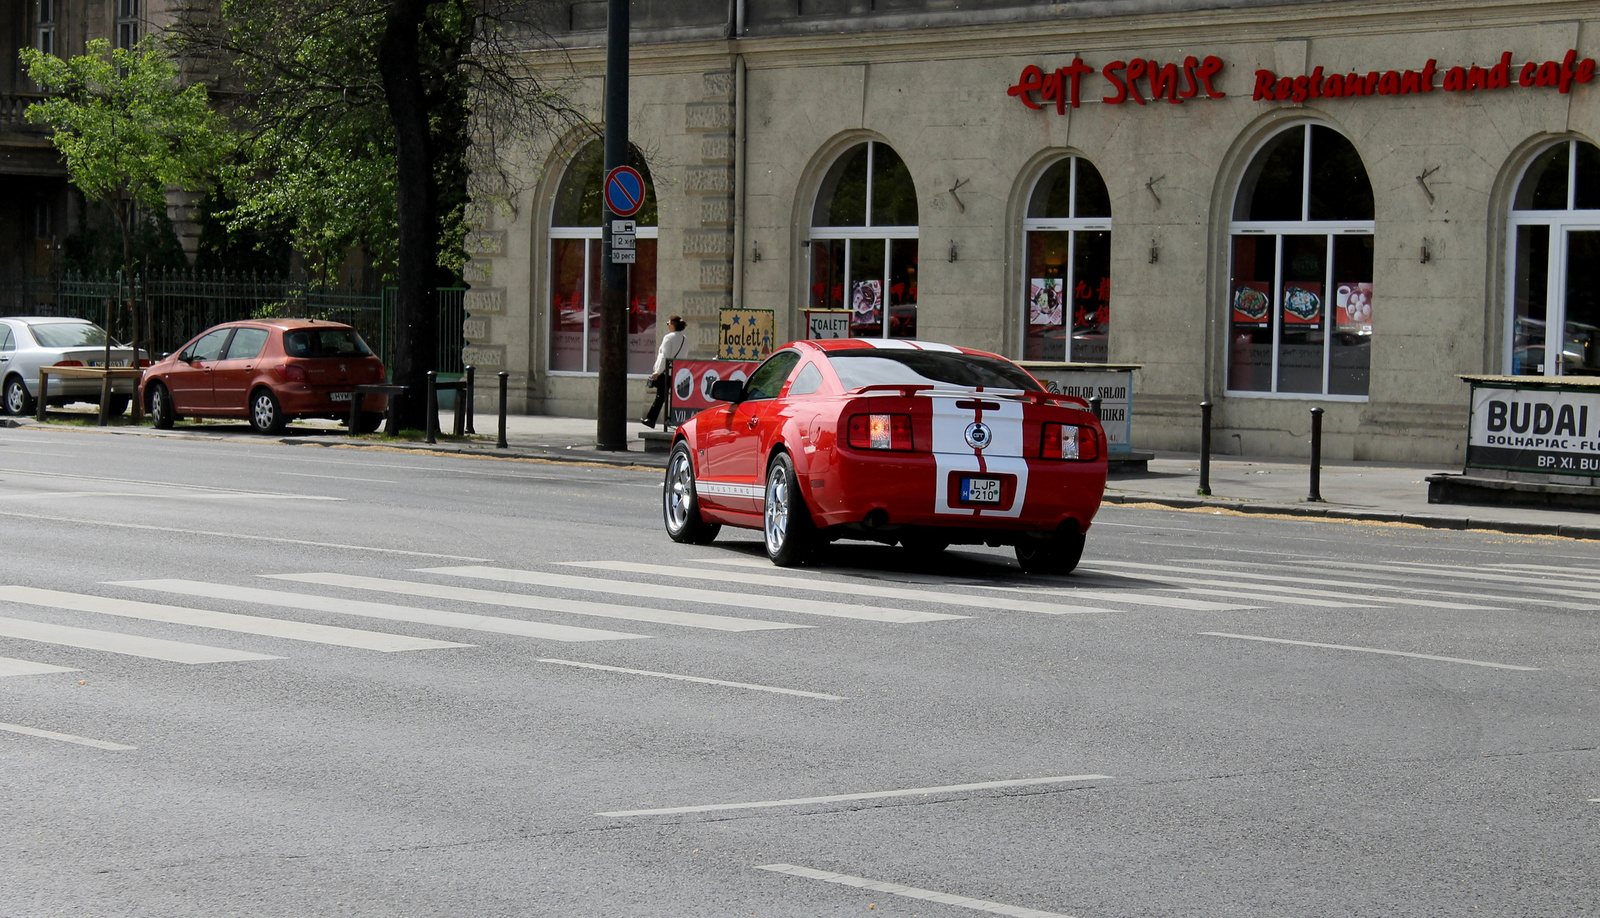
702, 680
10, 667
911, 892
381, 610
131, 645
1365, 578
693, 595
817, 585
541, 603
1128, 596
873, 795
339, 477
1375, 572
1287, 595
1391, 653
65, 737
1350, 594
1462, 573
249, 537
223, 621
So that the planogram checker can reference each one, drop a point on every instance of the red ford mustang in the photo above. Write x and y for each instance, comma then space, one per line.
913, 442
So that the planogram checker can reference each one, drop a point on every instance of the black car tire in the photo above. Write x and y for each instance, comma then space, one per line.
117, 406
1058, 554
17, 400
787, 528
680, 506
162, 413
265, 415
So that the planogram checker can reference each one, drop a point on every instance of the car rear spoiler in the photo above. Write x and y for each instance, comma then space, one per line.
1036, 396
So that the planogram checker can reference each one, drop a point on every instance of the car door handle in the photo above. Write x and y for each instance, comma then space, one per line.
754, 422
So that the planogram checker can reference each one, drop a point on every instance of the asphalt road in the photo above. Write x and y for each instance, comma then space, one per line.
1216, 716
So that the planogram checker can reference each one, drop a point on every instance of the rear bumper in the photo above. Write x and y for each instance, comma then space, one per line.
318, 401
922, 490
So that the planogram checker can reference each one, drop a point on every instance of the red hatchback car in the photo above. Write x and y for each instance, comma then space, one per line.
913, 442
269, 371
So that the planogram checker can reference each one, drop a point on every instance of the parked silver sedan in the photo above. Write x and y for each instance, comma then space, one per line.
30, 342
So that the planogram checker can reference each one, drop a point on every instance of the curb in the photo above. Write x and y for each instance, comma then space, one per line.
1423, 520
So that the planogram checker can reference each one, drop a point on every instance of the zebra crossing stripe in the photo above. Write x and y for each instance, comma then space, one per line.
541, 603
10, 667
381, 610
812, 583
64, 737
1279, 583
693, 595
128, 644
222, 621
910, 892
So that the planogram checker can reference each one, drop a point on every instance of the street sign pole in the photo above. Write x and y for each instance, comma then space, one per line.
611, 416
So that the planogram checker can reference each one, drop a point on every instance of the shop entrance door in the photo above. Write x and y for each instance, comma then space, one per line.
1580, 299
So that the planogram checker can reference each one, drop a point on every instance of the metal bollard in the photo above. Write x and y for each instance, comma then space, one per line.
501, 443
391, 414
472, 393
1205, 449
433, 407
1316, 456
1094, 405
458, 424
355, 412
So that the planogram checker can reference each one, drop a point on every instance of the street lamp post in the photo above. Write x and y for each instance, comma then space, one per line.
611, 416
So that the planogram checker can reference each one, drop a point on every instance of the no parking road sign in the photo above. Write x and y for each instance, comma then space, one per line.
624, 191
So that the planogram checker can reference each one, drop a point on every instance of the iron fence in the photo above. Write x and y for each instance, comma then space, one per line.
178, 305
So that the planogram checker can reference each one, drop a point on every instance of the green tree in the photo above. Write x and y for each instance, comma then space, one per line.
129, 131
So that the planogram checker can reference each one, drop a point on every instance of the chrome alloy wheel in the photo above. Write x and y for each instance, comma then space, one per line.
777, 508
679, 492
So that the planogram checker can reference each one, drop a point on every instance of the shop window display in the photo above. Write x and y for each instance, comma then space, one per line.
575, 262
1554, 237
864, 243
1067, 288
1300, 297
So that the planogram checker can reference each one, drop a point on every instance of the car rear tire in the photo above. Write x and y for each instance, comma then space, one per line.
1058, 554
265, 415
162, 412
117, 406
680, 507
789, 532
18, 401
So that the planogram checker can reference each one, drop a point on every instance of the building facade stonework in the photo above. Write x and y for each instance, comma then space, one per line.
1271, 206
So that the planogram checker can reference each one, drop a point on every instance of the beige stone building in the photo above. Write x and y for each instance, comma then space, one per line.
1273, 206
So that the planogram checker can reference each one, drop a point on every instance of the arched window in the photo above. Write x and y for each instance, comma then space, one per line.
1068, 230
575, 253
1555, 250
1300, 301
864, 243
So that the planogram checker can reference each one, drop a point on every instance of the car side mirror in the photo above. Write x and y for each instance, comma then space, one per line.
727, 390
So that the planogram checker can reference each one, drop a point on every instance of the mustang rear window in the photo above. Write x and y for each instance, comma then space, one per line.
874, 367
325, 342
68, 334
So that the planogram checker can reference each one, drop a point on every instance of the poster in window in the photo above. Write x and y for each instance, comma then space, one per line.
1354, 303
1045, 304
866, 298
1251, 303
1302, 304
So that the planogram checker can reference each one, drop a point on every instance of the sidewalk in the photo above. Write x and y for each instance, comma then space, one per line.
1351, 490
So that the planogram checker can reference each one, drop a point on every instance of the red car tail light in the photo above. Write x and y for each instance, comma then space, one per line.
881, 431
144, 361
69, 363
291, 372
1069, 441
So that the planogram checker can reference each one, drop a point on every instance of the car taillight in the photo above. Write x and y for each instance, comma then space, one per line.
881, 431
144, 361
1069, 441
69, 363
292, 372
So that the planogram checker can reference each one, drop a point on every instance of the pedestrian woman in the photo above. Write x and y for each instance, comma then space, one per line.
672, 344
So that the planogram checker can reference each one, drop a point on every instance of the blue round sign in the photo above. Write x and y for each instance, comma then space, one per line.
624, 191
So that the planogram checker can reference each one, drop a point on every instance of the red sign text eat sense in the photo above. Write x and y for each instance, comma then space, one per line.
1130, 81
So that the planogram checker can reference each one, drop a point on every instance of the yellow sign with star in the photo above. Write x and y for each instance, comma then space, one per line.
746, 334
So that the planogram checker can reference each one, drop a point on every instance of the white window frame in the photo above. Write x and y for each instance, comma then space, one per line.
1560, 222
1305, 226
591, 292
1071, 225
129, 23
44, 30
865, 233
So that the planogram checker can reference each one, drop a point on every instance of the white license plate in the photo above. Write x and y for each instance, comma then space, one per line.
980, 490
339, 396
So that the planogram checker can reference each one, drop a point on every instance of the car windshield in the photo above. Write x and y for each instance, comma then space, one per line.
69, 334
325, 342
876, 367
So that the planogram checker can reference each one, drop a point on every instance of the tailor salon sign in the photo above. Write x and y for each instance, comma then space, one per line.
1145, 81
1547, 430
